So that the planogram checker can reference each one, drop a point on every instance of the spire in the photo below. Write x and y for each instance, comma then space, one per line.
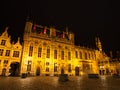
6, 29
98, 44
18, 40
5, 33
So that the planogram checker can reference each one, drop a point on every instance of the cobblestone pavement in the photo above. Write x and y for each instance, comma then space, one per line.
52, 83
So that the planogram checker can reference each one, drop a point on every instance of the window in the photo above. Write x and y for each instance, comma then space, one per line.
76, 54
1, 52
62, 55
5, 62
92, 55
69, 56
29, 65
48, 53
69, 68
16, 54
80, 55
30, 50
55, 67
47, 69
3, 42
7, 53
55, 54
39, 51
47, 63
89, 56
85, 55
0, 62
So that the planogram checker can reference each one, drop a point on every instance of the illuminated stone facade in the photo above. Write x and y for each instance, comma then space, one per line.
48, 51
10, 54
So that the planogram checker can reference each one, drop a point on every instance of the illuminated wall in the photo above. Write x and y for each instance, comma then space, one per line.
9, 53
48, 51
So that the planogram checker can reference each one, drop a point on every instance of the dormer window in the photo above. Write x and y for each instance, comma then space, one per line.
3, 42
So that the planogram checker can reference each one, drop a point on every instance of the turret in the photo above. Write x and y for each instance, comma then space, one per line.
71, 36
28, 26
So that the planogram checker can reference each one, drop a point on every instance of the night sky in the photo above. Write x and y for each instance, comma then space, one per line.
86, 18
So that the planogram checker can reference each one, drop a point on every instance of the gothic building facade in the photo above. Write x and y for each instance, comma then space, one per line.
48, 51
10, 55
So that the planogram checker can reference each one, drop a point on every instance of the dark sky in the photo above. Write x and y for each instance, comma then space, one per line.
86, 18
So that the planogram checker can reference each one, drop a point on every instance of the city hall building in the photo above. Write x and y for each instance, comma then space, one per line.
47, 51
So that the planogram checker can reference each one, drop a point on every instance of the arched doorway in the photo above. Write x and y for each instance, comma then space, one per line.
102, 72
3, 71
38, 71
86, 68
14, 69
77, 70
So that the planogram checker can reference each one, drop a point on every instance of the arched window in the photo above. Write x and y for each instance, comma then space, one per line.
47, 69
55, 67
69, 68
80, 55
55, 54
30, 50
89, 55
39, 51
48, 52
76, 54
69, 55
62, 55
85, 55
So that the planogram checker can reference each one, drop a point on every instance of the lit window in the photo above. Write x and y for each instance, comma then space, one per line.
3, 42
7, 53
29, 65
5, 62
1, 52
55, 67
16, 54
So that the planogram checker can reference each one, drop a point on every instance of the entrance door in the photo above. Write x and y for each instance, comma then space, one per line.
14, 69
62, 71
77, 69
86, 68
3, 72
38, 71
